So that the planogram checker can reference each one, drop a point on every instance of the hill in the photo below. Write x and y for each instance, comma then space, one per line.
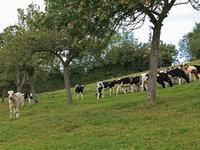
121, 122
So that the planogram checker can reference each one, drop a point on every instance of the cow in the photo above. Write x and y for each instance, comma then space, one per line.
128, 84
79, 91
123, 84
14, 104
191, 71
135, 81
29, 97
104, 85
178, 73
162, 78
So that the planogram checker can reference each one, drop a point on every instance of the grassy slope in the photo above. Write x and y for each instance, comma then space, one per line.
115, 122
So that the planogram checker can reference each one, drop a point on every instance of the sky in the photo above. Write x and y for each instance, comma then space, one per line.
180, 21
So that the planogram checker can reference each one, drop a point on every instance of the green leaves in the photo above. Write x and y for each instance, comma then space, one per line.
191, 43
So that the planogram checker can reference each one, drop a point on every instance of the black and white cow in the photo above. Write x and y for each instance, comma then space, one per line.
178, 73
29, 97
136, 82
162, 78
104, 85
128, 84
79, 91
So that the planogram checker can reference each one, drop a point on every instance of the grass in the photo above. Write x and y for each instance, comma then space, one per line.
120, 122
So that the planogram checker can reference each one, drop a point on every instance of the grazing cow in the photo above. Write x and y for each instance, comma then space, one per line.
104, 85
123, 85
128, 84
135, 82
14, 104
29, 97
178, 73
191, 70
163, 77
79, 91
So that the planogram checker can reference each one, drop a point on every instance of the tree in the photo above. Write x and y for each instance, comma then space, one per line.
18, 60
167, 55
192, 40
87, 27
184, 49
8, 61
157, 11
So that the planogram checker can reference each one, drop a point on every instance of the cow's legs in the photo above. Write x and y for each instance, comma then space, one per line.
81, 95
110, 90
179, 81
118, 87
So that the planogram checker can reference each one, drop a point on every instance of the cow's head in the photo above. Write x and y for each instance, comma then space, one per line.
10, 93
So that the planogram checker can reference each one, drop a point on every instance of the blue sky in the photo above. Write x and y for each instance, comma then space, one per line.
180, 21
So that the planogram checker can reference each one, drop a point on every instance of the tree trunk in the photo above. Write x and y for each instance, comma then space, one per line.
18, 81
153, 65
32, 89
67, 84
3, 95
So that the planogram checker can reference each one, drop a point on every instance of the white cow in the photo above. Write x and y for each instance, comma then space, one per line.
14, 104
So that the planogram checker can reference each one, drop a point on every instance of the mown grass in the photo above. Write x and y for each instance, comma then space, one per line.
122, 122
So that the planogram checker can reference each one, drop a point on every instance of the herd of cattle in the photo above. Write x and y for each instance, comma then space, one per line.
184, 73
125, 85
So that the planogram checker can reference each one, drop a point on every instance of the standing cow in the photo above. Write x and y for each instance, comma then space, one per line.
104, 85
79, 91
14, 104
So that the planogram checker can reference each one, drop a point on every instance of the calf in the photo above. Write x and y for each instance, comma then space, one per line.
178, 73
14, 104
79, 91
104, 85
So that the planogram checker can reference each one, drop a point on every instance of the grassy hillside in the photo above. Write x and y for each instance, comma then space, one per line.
121, 122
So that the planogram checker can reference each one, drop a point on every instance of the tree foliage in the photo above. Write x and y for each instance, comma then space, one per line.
193, 39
